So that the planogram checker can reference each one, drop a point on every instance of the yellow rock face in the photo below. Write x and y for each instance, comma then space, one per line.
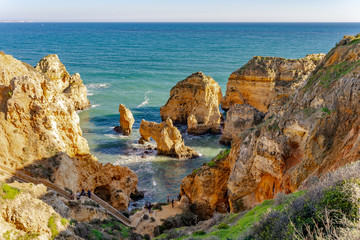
207, 186
264, 79
26, 214
39, 123
167, 137
195, 101
126, 120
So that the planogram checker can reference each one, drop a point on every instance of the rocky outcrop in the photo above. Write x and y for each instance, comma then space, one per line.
126, 120
316, 130
206, 187
24, 216
195, 101
39, 123
72, 86
264, 79
239, 118
167, 137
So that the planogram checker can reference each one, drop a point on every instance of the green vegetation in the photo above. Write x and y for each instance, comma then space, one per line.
8, 192
52, 226
327, 75
199, 233
325, 110
96, 235
64, 221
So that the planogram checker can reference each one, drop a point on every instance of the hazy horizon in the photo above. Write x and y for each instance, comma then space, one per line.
184, 11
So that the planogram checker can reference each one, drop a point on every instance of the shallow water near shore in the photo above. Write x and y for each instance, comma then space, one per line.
137, 64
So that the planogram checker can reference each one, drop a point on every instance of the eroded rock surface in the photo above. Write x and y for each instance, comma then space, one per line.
25, 216
72, 86
264, 79
39, 123
316, 130
195, 101
126, 120
206, 187
167, 137
240, 118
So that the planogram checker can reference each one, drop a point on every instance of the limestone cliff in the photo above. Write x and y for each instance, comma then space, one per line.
239, 118
24, 216
264, 79
38, 122
195, 101
71, 86
126, 120
315, 130
167, 137
206, 186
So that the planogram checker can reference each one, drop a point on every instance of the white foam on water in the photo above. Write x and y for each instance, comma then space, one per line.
98, 85
146, 100
94, 105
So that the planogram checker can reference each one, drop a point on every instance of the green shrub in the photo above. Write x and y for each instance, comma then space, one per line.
325, 209
52, 226
64, 221
199, 233
222, 226
325, 110
8, 192
95, 234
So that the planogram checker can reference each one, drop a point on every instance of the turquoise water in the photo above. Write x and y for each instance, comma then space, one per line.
137, 64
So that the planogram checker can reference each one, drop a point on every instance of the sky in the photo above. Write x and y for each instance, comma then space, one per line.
180, 10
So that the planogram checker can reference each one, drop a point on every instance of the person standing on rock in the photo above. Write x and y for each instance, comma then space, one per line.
89, 193
168, 199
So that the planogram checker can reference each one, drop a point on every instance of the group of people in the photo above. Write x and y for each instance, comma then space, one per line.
172, 200
83, 193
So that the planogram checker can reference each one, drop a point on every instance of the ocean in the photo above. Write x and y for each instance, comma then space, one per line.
137, 64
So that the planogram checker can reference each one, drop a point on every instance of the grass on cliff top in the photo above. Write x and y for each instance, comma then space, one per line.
326, 76
213, 162
8, 192
244, 223
237, 225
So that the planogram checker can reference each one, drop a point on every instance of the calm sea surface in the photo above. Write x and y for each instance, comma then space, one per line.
137, 64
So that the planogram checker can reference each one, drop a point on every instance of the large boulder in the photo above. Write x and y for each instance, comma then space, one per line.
264, 79
126, 120
240, 118
195, 101
167, 137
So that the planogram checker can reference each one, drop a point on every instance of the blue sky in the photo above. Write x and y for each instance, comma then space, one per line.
181, 10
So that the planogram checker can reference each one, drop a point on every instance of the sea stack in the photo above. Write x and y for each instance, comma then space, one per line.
195, 101
167, 137
126, 120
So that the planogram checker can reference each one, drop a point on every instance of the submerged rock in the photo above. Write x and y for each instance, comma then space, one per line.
264, 79
126, 120
167, 137
195, 101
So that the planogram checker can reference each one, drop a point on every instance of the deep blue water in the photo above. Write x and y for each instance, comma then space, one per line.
138, 63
